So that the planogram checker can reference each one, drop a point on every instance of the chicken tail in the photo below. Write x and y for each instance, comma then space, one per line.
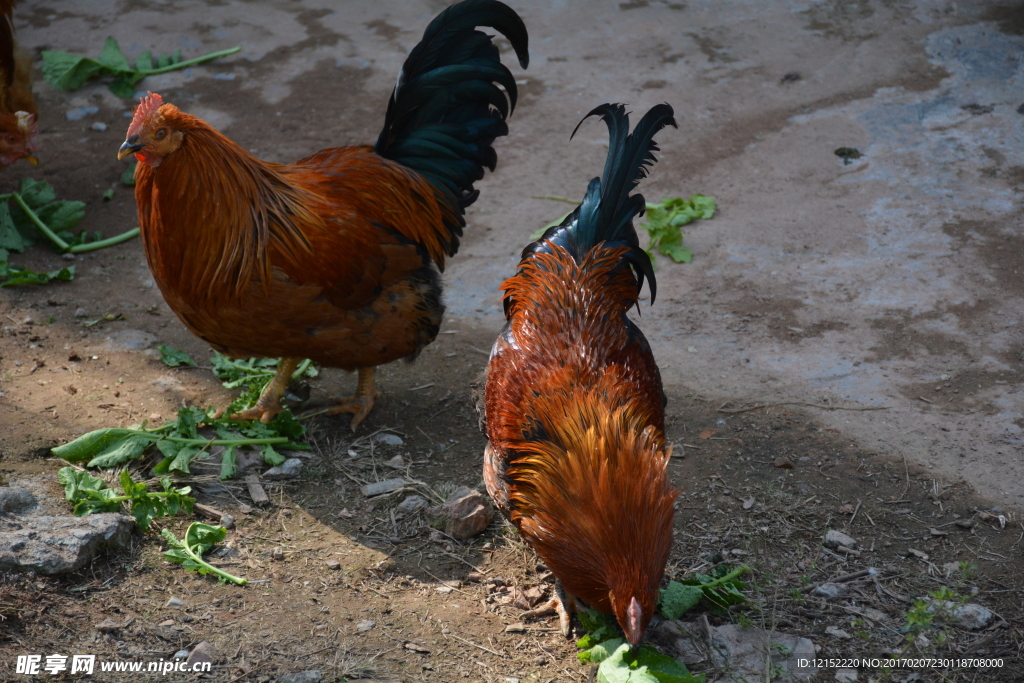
607, 211
447, 107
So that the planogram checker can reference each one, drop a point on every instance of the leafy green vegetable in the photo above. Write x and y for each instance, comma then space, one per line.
37, 211
91, 494
604, 645
721, 588
180, 441
253, 375
173, 357
199, 538
66, 71
128, 177
664, 221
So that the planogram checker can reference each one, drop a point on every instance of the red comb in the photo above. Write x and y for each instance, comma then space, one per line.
147, 105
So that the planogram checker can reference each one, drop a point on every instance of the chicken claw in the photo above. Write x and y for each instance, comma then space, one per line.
269, 404
362, 403
562, 604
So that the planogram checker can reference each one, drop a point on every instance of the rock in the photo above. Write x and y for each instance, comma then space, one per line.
16, 499
81, 313
311, 676
108, 626
444, 590
227, 521
411, 504
738, 650
846, 675
376, 488
175, 602
364, 626
333, 565
132, 340
389, 439
837, 633
289, 469
179, 655
277, 554
783, 463
834, 539
98, 126
54, 545
829, 591
972, 616
466, 514
203, 652
80, 113
395, 463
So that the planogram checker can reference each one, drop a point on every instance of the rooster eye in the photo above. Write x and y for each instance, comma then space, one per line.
161, 134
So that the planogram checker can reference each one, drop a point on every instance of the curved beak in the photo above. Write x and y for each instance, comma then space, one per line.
130, 146
31, 159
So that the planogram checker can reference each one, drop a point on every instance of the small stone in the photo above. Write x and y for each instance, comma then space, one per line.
416, 647
829, 591
333, 565
540, 660
277, 554
227, 521
390, 439
179, 655
973, 616
203, 652
166, 623
289, 469
834, 539
98, 126
846, 675
515, 628
310, 676
837, 633
81, 313
364, 626
80, 113
68, 257
474, 577
108, 626
466, 514
175, 602
411, 504
444, 590
511, 679
919, 554
783, 463
397, 462
244, 509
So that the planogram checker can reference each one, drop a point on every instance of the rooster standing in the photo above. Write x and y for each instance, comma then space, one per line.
577, 457
333, 257
18, 112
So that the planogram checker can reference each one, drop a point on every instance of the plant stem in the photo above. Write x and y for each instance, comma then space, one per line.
739, 571
301, 370
189, 62
199, 560
109, 242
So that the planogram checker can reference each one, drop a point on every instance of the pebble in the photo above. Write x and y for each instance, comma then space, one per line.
333, 565
175, 602
289, 469
180, 654
98, 126
364, 626
829, 591
973, 616
310, 676
81, 313
444, 590
834, 539
68, 257
108, 626
846, 675
277, 554
203, 652
390, 439
783, 463
837, 632
411, 504
80, 113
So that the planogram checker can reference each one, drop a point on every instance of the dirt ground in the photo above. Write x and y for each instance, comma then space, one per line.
861, 322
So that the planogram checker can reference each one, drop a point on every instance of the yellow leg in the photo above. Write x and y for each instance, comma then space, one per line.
269, 403
362, 403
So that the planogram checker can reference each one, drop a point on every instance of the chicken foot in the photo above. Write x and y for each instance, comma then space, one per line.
269, 404
562, 604
362, 403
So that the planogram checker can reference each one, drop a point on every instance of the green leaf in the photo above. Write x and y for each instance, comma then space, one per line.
664, 668
94, 443
199, 538
10, 238
620, 667
112, 57
272, 457
144, 62
173, 358
35, 193
128, 177
228, 462
664, 221
19, 276
61, 215
74, 481
108, 194
121, 452
677, 599
68, 72
123, 86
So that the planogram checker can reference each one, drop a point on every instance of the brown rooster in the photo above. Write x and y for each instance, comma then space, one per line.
577, 456
333, 257
18, 112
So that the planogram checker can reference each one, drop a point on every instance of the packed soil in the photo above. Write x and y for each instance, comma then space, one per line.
762, 479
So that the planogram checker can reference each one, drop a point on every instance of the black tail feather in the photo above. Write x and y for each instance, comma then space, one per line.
607, 211
447, 107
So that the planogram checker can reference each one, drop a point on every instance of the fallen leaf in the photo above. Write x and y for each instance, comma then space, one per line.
706, 434
748, 503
